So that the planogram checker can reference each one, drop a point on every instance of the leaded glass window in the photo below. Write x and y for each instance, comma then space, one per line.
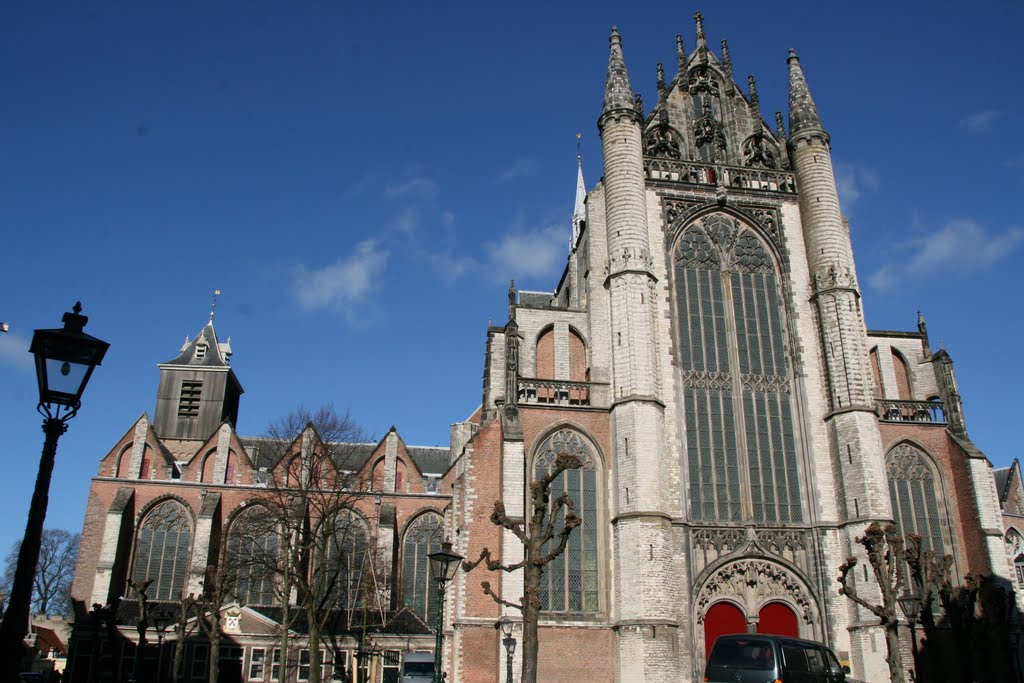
570, 581
253, 555
419, 592
345, 568
915, 500
738, 412
162, 550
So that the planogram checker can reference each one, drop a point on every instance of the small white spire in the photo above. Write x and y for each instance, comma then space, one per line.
579, 211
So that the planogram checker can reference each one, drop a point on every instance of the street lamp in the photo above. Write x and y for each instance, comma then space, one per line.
911, 605
506, 625
161, 622
65, 359
443, 565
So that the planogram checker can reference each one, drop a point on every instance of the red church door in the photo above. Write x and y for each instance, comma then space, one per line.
721, 619
778, 619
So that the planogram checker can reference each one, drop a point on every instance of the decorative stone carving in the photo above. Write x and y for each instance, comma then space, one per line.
752, 582
759, 152
702, 79
772, 384
703, 379
707, 132
661, 141
769, 221
722, 540
674, 209
782, 541
830, 278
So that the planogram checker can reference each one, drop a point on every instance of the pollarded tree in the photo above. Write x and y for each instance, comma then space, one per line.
544, 536
884, 546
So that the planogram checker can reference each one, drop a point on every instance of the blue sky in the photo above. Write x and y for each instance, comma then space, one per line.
361, 180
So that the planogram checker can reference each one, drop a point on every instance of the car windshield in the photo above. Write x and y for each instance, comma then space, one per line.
419, 668
743, 654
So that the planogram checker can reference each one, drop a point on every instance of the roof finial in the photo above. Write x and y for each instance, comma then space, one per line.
579, 154
512, 300
680, 52
726, 59
213, 304
661, 82
755, 102
701, 41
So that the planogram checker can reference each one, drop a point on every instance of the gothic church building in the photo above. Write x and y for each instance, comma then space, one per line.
705, 353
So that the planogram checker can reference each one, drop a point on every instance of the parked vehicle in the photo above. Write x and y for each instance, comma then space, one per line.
418, 667
756, 658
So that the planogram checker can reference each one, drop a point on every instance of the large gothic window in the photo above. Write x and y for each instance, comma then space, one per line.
162, 550
424, 536
345, 568
915, 497
570, 581
740, 443
253, 555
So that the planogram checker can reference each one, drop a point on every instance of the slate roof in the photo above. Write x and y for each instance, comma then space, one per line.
535, 298
1002, 478
348, 456
216, 355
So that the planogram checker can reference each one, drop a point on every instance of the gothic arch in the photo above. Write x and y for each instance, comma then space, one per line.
573, 582
904, 375
422, 535
918, 494
162, 547
763, 222
750, 583
544, 353
207, 466
253, 549
121, 461
1015, 553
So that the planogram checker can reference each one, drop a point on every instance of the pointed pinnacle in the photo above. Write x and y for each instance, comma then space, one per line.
701, 41
755, 102
618, 93
803, 114
726, 59
780, 129
680, 52
661, 83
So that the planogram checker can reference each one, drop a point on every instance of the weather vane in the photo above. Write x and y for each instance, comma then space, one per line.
213, 304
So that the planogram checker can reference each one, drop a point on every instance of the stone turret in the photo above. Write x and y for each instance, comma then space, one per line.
645, 617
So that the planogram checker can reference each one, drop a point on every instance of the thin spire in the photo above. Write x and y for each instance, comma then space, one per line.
701, 40
661, 83
618, 93
803, 114
213, 304
779, 127
726, 59
680, 52
755, 102
579, 210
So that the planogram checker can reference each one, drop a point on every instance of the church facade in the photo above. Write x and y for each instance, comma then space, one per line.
705, 356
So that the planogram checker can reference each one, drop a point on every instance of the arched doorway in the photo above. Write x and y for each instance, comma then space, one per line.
778, 619
722, 618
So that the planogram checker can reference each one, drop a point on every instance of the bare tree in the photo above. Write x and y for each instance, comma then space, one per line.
51, 589
184, 625
543, 527
884, 546
321, 544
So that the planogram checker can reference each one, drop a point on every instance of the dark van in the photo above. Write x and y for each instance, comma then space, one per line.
755, 658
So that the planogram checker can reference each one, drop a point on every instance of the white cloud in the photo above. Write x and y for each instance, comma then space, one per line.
343, 285
981, 121
14, 351
449, 266
526, 253
522, 168
419, 187
852, 182
960, 246
408, 221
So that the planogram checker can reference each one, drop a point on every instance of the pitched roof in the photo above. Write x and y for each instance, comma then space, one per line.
215, 355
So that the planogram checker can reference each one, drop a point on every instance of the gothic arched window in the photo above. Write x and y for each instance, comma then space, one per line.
740, 444
345, 568
424, 536
253, 555
570, 581
164, 541
913, 488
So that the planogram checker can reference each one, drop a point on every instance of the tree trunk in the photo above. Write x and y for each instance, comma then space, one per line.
894, 654
314, 651
531, 614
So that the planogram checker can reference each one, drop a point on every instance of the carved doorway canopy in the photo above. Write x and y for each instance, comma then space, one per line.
750, 584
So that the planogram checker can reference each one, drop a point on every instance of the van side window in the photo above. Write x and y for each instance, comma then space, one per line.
833, 664
794, 657
815, 662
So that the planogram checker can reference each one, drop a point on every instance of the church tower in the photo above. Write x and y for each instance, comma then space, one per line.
641, 521
198, 389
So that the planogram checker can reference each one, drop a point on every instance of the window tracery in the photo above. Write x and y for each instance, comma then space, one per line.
163, 546
570, 581
740, 440
423, 537
915, 496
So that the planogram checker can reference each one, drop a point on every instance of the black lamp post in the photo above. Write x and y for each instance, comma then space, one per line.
506, 625
161, 622
443, 565
65, 359
911, 605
